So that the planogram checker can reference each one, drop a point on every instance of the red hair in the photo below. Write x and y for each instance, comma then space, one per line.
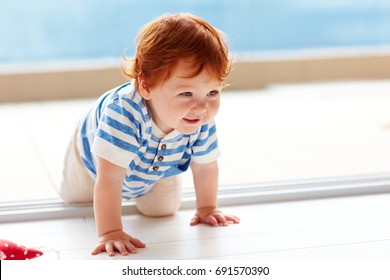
169, 38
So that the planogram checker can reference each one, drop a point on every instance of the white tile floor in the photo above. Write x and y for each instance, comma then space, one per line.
351, 228
296, 131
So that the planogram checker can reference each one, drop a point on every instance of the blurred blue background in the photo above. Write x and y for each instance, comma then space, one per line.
44, 30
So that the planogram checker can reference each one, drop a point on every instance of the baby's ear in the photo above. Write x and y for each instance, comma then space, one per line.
143, 89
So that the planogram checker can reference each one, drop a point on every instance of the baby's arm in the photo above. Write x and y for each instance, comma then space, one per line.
107, 208
206, 187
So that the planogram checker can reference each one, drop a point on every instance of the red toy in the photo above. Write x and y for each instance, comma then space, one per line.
12, 251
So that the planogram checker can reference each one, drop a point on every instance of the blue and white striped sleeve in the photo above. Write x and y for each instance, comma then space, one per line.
118, 135
205, 149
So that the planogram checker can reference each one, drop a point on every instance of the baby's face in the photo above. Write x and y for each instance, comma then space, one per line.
184, 104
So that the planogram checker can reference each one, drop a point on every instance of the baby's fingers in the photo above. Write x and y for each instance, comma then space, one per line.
220, 219
195, 220
232, 218
137, 243
109, 249
132, 244
123, 249
98, 249
213, 219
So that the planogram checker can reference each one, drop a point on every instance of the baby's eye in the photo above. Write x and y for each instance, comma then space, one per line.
186, 93
213, 93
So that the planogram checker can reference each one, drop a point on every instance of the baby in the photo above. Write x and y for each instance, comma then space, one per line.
137, 138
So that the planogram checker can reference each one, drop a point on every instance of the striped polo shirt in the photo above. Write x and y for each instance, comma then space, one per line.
119, 128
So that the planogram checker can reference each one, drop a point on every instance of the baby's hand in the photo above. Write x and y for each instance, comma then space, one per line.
214, 217
117, 240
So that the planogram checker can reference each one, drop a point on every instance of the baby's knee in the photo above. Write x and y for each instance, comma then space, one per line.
150, 210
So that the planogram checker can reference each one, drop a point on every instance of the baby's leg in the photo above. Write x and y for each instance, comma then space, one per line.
163, 200
77, 185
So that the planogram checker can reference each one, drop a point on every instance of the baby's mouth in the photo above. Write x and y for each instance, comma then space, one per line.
191, 121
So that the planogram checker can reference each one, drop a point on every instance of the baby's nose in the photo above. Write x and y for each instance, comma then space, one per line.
199, 108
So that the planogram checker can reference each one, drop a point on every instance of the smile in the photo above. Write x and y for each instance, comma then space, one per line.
192, 121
